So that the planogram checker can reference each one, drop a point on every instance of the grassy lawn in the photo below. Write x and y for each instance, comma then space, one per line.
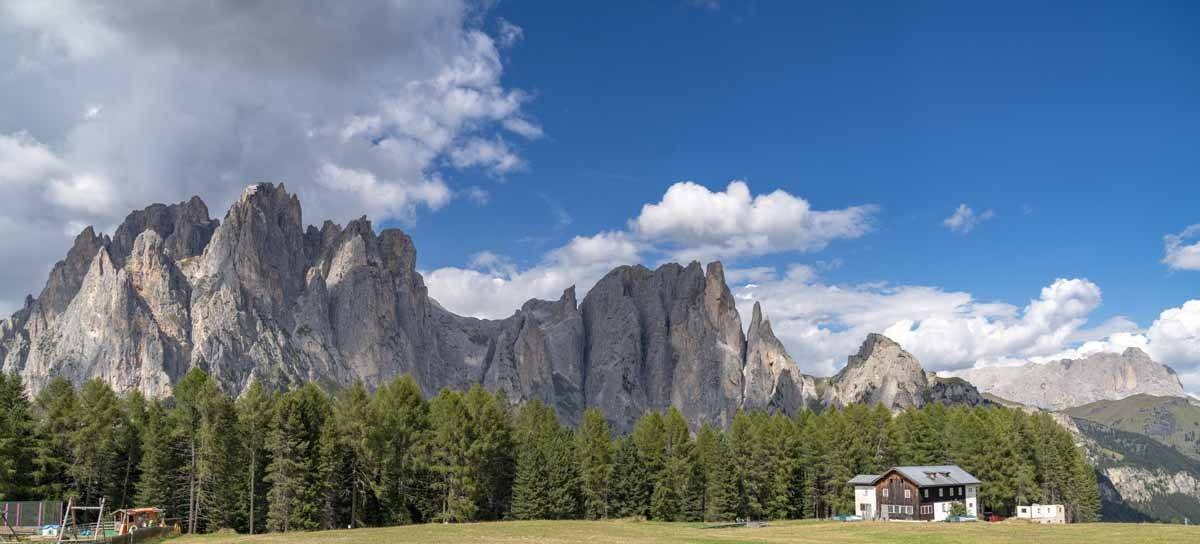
787, 531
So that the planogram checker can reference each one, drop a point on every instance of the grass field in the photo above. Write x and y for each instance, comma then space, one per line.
788, 531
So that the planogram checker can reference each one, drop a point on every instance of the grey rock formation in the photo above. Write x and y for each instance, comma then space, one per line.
880, 373
260, 297
1074, 382
667, 337
772, 379
951, 391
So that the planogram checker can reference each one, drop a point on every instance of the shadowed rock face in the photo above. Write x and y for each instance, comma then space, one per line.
1074, 382
258, 296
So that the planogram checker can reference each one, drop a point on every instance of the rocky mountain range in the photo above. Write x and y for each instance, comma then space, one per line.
1066, 383
260, 297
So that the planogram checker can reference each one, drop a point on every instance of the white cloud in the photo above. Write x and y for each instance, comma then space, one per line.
491, 154
85, 192
25, 161
111, 105
510, 34
478, 195
1183, 249
822, 323
964, 219
493, 287
701, 224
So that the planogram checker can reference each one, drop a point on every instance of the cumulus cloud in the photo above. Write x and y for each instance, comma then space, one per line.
1183, 249
964, 219
821, 323
689, 223
493, 287
696, 223
368, 106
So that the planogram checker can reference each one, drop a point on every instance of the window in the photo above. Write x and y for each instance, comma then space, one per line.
885, 490
907, 493
926, 493
941, 490
926, 509
945, 507
908, 510
960, 491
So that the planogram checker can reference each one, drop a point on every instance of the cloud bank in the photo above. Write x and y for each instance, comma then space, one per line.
365, 106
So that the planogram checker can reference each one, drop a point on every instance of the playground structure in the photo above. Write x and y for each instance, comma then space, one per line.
50, 521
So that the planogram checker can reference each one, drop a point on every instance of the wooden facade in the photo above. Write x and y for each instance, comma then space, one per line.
898, 497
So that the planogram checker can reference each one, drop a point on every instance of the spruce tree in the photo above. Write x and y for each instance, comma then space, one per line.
56, 410
294, 501
16, 440
345, 468
454, 483
157, 483
254, 410
594, 449
631, 482
94, 444
398, 450
546, 485
492, 452
715, 460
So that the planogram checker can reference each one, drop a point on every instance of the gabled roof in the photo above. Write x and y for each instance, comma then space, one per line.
923, 476
864, 479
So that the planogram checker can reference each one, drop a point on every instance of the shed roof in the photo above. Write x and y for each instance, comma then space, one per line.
864, 479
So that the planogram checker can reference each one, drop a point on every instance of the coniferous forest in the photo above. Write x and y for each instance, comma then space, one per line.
307, 459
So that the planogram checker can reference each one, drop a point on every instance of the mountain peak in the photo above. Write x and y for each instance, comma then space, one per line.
1065, 383
880, 373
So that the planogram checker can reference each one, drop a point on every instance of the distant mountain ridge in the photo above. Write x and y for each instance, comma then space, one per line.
1067, 383
260, 297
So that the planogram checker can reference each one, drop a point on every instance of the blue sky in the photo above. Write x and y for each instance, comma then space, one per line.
1078, 124
519, 142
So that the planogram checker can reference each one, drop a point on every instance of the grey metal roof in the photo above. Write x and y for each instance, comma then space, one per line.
934, 475
864, 479
923, 476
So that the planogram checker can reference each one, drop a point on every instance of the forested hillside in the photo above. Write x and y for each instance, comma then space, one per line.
1174, 421
306, 459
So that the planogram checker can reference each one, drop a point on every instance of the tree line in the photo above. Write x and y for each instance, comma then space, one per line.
306, 459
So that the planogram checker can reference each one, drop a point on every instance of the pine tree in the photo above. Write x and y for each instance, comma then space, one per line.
492, 452
94, 444
16, 440
254, 410
294, 501
675, 496
398, 449
454, 482
593, 446
56, 410
631, 482
160, 462
129, 443
715, 460
345, 470
220, 485
546, 485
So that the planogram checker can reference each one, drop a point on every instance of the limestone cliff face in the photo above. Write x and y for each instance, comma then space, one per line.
667, 337
880, 373
1074, 382
772, 379
260, 297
